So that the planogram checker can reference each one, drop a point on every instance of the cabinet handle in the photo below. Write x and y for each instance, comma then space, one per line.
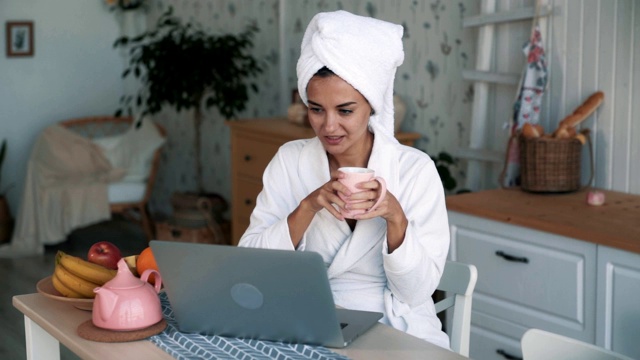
512, 258
247, 158
247, 201
507, 356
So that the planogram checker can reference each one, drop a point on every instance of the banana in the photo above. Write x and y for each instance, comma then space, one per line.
63, 289
75, 283
86, 270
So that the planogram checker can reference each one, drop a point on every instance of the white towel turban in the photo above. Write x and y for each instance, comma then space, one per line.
363, 51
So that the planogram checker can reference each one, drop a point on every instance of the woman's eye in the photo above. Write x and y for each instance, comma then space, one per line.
346, 111
315, 109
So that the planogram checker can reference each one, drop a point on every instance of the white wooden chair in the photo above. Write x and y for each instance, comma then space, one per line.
458, 282
543, 345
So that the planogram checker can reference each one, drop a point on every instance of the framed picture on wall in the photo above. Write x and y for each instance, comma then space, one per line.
19, 36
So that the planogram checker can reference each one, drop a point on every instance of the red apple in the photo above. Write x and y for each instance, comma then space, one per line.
104, 253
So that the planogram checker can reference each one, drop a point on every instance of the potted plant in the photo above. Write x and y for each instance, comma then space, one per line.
444, 163
180, 65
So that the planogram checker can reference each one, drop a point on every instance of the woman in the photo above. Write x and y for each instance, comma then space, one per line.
389, 259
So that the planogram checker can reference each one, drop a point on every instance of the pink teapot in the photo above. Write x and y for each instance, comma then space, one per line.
126, 302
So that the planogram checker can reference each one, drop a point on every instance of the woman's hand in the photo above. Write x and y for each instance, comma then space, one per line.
388, 209
322, 198
325, 196
330, 193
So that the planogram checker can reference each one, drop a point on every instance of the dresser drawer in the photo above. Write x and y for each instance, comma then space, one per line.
253, 156
245, 193
527, 277
239, 227
244, 197
525, 274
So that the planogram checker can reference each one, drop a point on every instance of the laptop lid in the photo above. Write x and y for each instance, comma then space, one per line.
255, 293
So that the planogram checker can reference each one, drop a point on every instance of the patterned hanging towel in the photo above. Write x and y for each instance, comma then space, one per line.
529, 101
526, 108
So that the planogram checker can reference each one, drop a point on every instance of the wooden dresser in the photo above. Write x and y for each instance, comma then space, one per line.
549, 261
253, 143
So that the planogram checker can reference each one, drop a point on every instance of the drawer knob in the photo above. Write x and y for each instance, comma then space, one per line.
247, 158
247, 201
507, 356
513, 258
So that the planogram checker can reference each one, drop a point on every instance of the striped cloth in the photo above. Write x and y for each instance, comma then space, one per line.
194, 346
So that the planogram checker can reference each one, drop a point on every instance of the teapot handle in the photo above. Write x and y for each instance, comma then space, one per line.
158, 279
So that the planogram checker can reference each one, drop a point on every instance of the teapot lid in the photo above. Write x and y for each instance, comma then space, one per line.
124, 279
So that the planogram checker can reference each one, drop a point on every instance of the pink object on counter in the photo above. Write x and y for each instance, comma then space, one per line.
595, 198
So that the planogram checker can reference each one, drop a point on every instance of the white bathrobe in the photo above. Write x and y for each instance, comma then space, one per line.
362, 274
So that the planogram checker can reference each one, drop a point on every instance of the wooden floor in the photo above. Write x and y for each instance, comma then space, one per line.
19, 276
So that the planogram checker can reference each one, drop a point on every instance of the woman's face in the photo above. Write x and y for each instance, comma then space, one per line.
339, 115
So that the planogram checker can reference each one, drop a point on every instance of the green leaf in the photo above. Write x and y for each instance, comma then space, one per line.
121, 41
449, 184
445, 157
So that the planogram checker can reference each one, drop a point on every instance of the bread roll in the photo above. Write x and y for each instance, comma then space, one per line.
564, 132
581, 137
531, 131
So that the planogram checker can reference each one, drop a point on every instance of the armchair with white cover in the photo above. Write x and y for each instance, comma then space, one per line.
79, 172
137, 150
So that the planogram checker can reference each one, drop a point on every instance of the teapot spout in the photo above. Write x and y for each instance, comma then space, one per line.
105, 302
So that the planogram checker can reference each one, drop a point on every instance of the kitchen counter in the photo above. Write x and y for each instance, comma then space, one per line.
615, 224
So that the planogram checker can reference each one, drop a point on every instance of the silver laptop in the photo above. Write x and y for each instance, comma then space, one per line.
275, 295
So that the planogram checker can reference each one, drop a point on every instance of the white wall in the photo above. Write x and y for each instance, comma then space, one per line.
590, 45
74, 72
596, 46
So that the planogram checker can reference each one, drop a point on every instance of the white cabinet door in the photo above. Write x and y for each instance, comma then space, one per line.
618, 304
527, 277
495, 338
488, 345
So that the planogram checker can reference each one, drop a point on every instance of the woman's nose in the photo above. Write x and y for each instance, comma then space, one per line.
330, 121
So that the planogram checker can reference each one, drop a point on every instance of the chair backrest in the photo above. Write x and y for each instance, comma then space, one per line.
543, 345
458, 282
101, 126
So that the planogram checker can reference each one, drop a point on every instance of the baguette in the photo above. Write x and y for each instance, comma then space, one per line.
583, 111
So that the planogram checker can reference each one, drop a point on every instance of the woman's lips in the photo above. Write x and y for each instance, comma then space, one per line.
333, 140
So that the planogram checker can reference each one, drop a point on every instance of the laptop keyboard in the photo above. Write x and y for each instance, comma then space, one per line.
343, 325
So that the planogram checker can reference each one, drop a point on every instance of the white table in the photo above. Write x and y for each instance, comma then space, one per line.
48, 323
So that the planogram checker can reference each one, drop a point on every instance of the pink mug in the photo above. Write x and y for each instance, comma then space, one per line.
354, 176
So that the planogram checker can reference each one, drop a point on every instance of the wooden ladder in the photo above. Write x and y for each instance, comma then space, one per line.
479, 154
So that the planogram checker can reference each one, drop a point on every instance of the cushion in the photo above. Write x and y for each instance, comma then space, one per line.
124, 192
133, 150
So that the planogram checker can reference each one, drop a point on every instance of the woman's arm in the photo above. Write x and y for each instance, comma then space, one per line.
283, 209
414, 268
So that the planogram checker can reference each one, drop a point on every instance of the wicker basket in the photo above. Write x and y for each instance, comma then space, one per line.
550, 164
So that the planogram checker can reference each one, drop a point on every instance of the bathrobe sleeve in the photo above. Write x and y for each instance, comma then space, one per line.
414, 269
282, 192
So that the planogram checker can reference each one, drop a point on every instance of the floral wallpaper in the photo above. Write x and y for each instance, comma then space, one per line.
436, 46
